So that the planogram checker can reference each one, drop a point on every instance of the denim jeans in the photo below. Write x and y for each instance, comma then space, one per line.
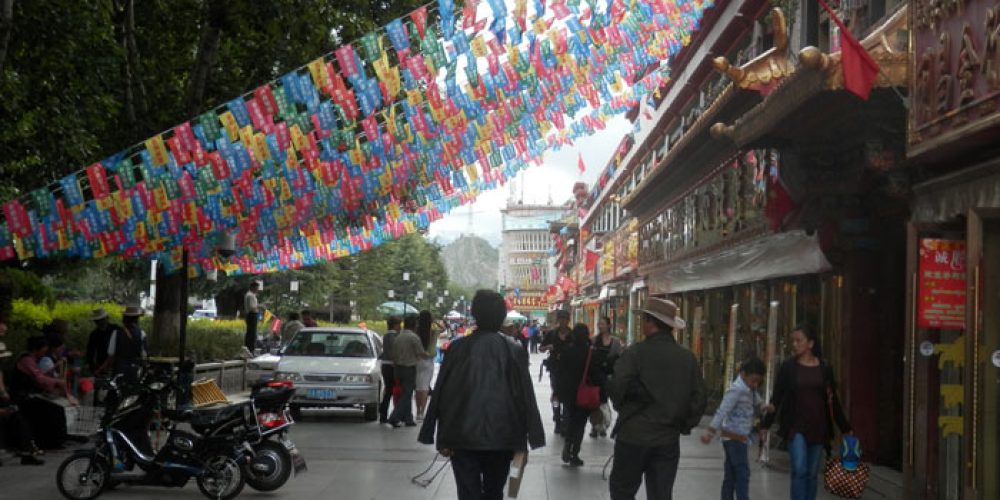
403, 412
805, 459
736, 483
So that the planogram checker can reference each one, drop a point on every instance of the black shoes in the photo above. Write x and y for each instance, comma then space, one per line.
571, 455
411, 424
31, 460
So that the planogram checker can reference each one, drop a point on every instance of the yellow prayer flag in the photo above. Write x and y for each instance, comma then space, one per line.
472, 172
317, 69
157, 150
478, 46
246, 137
229, 123
260, 147
298, 138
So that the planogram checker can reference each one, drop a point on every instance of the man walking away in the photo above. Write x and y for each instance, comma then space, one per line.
485, 403
388, 368
407, 351
250, 315
659, 394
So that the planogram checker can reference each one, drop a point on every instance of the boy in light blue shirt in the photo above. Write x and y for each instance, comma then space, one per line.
734, 419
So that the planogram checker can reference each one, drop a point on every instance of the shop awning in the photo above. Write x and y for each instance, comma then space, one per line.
790, 253
946, 197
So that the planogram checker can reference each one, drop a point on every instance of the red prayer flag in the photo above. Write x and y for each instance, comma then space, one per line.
591, 260
579, 163
860, 70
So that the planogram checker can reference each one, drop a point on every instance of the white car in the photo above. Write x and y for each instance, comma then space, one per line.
333, 367
262, 367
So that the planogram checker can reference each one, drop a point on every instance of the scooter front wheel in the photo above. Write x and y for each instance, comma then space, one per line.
223, 478
83, 476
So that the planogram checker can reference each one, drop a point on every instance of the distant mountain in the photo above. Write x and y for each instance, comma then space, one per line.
471, 262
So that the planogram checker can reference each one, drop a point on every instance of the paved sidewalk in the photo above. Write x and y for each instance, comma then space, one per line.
352, 459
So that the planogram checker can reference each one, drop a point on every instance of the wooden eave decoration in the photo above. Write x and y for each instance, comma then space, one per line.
821, 71
765, 71
891, 58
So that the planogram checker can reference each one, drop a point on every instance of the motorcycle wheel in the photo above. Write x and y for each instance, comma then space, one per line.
280, 461
223, 480
82, 476
296, 412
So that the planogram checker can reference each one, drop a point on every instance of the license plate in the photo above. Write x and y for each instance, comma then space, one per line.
298, 461
322, 394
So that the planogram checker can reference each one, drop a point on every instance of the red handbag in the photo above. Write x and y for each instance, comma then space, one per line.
588, 396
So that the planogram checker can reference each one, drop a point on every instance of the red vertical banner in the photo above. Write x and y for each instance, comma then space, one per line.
941, 284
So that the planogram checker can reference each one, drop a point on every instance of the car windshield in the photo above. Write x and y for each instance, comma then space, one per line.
329, 344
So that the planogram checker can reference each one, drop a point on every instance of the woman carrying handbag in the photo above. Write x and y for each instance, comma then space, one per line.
573, 367
807, 407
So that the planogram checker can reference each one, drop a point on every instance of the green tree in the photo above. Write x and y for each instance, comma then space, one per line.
82, 80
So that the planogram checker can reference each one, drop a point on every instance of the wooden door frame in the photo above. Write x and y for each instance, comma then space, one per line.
914, 230
973, 321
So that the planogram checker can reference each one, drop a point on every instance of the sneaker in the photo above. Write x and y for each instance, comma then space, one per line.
604, 434
575, 461
593, 433
394, 424
411, 424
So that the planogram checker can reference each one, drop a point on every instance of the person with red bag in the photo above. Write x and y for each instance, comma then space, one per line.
572, 378
806, 405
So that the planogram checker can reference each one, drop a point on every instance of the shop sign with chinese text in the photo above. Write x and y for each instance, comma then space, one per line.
941, 284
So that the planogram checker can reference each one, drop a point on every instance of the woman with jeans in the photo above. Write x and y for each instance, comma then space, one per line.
806, 404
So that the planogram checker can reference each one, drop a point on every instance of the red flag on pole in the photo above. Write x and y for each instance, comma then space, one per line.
579, 163
860, 70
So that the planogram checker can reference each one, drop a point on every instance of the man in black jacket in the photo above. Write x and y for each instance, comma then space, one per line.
659, 394
485, 403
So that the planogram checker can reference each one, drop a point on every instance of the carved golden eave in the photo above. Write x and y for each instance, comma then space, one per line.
887, 45
818, 72
764, 71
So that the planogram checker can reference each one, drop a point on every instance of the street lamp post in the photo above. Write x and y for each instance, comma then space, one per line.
406, 283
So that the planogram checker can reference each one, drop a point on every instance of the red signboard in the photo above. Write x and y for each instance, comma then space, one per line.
941, 289
529, 302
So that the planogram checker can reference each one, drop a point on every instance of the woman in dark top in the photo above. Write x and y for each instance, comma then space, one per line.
806, 404
572, 361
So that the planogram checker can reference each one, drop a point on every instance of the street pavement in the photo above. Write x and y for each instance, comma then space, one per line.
352, 459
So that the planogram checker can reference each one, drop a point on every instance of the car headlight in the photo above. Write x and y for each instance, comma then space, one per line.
293, 376
357, 379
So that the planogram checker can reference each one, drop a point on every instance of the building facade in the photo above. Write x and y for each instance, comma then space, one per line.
524, 271
952, 410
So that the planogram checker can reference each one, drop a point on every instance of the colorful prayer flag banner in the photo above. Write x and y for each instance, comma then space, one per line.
348, 152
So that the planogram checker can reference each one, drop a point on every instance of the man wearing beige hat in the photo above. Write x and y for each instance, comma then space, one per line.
659, 393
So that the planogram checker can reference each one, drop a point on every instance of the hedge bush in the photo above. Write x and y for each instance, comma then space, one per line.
207, 340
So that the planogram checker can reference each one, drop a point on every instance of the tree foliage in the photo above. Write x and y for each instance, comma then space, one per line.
82, 80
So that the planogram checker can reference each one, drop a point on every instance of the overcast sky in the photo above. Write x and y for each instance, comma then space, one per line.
555, 176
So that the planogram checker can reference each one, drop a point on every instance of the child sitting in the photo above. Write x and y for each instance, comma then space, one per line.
734, 419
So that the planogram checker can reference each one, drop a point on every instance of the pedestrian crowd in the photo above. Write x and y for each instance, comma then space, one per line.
49, 377
482, 409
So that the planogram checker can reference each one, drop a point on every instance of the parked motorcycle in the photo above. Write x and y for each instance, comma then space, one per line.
213, 455
275, 456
